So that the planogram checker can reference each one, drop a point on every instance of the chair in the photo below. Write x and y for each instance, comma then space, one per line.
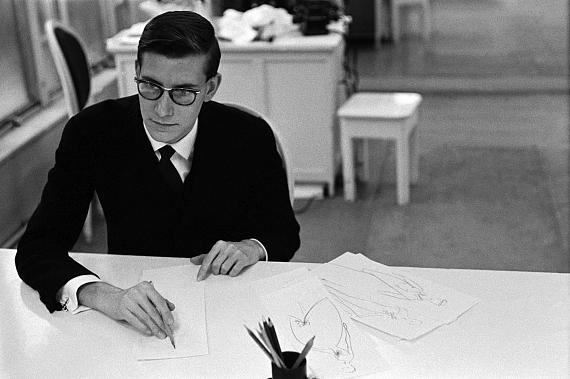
281, 148
396, 6
391, 116
72, 66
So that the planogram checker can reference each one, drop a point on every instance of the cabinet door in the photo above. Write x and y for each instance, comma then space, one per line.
300, 97
242, 81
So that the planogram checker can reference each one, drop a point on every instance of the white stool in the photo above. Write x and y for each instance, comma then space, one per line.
396, 6
392, 116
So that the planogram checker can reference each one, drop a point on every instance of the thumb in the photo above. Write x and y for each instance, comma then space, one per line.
197, 260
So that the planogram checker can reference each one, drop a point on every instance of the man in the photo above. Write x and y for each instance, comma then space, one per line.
176, 174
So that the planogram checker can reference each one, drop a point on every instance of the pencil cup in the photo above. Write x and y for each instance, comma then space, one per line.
287, 373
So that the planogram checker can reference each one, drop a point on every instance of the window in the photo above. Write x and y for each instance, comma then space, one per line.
28, 73
13, 90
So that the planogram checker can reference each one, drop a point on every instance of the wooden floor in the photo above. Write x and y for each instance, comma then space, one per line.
494, 73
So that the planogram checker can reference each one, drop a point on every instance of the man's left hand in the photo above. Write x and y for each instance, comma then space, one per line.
228, 258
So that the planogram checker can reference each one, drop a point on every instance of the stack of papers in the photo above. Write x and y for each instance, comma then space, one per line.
324, 303
390, 300
300, 308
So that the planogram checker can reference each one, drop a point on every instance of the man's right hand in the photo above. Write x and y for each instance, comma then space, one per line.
141, 306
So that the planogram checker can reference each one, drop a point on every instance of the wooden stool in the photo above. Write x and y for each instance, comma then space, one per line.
392, 116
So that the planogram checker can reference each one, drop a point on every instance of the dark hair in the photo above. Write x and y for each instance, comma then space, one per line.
179, 34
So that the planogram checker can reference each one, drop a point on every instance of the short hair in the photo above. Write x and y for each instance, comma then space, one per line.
179, 34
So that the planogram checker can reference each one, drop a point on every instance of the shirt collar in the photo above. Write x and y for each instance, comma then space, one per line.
183, 147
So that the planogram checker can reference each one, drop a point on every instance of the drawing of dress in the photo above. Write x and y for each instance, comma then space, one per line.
332, 337
402, 287
361, 307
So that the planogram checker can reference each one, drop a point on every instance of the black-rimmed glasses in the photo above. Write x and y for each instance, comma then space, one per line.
153, 91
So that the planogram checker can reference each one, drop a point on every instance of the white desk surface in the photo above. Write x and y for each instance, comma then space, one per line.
520, 328
124, 43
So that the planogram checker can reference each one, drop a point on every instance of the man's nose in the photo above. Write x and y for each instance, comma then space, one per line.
163, 106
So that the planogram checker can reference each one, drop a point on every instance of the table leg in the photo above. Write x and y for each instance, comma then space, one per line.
347, 164
403, 170
415, 156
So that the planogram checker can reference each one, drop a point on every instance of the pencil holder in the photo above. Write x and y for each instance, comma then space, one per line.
287, 373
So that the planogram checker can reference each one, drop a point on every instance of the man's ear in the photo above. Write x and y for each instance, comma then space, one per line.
137, 68
212, 86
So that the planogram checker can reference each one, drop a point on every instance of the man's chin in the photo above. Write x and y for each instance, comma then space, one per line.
164, 137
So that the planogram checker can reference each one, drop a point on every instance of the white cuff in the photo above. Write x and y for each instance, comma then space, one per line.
67, 295
262, 247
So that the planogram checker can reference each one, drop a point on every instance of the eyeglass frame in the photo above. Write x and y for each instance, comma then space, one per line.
166, 89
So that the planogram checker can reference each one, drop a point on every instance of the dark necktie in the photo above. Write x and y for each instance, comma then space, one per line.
168, 170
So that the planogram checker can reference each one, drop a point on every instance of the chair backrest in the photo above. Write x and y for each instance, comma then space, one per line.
281, 148
72, 65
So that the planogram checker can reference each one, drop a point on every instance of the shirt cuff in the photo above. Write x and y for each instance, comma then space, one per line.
67, 295
262, 248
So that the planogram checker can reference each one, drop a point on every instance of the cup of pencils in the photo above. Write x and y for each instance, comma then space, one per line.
284, 364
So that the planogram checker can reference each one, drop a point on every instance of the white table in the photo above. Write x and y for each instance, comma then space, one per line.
293, 81
520, 328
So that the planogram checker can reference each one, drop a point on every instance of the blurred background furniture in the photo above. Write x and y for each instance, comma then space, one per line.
391, 116
396, 11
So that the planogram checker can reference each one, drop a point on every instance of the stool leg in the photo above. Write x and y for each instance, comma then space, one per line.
377, 22
347, 165
415, 156
403, 170
395, 22
426, 14
366, 159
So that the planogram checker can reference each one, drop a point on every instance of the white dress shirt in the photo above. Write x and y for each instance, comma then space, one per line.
182, 161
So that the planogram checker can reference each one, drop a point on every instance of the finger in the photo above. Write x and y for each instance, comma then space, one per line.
220, 260
147, 320
238, 267
161, 306
230, 261
197, 259
207, 261
136, 323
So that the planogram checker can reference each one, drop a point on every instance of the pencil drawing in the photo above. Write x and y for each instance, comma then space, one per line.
332, 337
366, 308
398, 286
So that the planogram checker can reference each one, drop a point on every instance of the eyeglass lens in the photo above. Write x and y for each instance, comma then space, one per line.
180, 96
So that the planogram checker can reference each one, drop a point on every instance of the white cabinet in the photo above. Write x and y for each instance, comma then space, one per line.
293, 81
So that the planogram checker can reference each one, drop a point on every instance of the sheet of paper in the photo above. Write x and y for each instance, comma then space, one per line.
303, 309
178, 284
388, 299
281, 281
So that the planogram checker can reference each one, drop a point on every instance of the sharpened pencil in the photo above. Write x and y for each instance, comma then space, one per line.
276, 358
274, 335
303, 354
258, 342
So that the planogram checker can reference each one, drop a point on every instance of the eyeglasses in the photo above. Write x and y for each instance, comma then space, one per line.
153, 91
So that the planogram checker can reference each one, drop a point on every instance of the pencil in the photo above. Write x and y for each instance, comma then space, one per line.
276, 358
303, 353
258, 342
274, 334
